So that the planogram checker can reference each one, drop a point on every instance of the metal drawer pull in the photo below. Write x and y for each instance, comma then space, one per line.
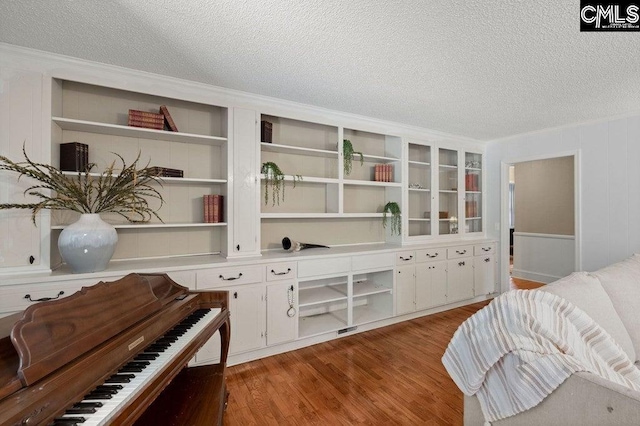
461, 252
431, 256
43, 299
281, 273
487, 260
406, 258
486, 248
230, 279
460, 263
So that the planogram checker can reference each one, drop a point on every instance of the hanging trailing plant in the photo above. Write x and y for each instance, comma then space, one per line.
274, 182
347, 154
393, 209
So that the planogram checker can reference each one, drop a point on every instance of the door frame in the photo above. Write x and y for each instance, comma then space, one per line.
504, 209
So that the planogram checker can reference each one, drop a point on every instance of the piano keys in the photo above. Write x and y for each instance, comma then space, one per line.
111, 379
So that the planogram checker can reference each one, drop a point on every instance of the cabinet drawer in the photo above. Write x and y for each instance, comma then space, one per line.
310, 268
280, 271
404, 257
459, 251
371, 261
480, 249
228, 276
14, 298
430, 255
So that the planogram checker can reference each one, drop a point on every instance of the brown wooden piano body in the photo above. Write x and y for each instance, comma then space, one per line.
56, 352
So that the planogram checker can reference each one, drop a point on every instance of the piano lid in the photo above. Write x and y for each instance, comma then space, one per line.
51, 334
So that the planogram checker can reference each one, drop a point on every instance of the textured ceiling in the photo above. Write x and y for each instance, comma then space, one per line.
482, 69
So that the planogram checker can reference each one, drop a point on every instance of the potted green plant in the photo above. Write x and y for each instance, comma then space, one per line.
88, 244
393, 209
274, 182
348, 153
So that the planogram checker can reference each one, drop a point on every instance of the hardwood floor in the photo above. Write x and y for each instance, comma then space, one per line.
522, 284
388, 376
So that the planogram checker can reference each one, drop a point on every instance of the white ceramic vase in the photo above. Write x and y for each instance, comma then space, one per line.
88, 244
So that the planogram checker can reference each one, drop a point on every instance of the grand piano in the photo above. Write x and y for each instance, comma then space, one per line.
115, 353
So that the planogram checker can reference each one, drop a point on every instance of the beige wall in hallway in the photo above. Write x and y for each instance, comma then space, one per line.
544, 196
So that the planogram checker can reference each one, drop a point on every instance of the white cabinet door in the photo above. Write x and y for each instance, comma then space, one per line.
484, 271
245, 184
21, 123
459, 279
281, 327
431, 284
405, 289
246, 305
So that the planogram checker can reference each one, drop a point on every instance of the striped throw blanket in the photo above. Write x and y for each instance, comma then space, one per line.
523, 345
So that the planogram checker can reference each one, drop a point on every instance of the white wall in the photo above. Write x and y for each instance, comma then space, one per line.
609, 180
544, 196
542, 257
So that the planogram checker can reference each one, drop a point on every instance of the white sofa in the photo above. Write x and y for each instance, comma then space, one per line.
611, 296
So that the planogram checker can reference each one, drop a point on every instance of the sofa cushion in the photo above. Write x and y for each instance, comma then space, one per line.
621, 281
586, 292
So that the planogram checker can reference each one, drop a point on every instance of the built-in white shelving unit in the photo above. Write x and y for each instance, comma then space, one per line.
313, 153
279, 300
97, 116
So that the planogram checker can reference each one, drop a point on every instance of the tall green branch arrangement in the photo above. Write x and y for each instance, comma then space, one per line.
122, 189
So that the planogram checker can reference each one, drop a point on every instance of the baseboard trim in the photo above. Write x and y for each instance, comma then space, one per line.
533, 276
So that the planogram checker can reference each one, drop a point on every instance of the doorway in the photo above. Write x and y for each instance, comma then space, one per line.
540, 218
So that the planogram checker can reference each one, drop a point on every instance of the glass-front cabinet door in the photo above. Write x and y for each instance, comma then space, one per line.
448, 199
420, 216
443, 192
473, 192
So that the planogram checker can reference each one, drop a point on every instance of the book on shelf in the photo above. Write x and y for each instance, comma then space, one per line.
206, 207
171, 125
146, 115
167, 172
145, 124
217, 208
213, 208
471, 209
266, 131
471, 182
150, 120
74, 156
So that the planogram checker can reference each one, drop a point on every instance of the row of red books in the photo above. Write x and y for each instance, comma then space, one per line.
152, 120
472, 182
471, 209
213, 208
383, 173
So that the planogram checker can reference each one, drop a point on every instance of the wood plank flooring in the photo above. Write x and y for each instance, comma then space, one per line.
522, 284
388, 376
